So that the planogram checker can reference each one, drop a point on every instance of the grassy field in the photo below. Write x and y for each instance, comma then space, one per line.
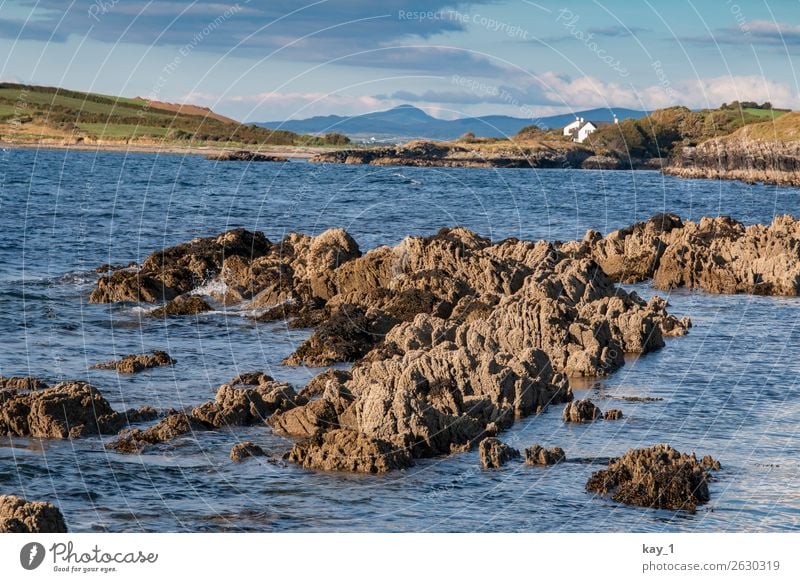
121, 131
73, 116
766, 113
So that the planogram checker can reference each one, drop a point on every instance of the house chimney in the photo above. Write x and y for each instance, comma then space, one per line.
581, 119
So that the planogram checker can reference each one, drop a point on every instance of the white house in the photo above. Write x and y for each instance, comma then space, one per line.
584, 131
581, 128
574, 126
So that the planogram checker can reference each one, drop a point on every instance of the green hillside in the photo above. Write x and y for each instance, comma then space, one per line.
662, 133
33, 112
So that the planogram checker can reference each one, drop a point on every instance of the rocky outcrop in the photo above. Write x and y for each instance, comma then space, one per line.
20, 516
67, 410
182, 305
347, 335
133, 363
538, 455
718, 255
176, 270
21, 383
244, 156
752, 154
656, 477
240, 452
348, 450
248, 399
172, 426
544, 154
613, 414
494, 453
581, 411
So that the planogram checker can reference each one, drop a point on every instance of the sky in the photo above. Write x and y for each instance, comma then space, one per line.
272, 60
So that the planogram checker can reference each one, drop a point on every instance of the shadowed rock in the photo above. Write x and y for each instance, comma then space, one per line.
134, 363
613, 414
244, 450
581, 411
182, 305
494, 453
170, 427
67, 410
656, 477
538, 455
347, 450
20, 516
244, 156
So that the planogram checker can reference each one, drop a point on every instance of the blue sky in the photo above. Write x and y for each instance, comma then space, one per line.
272, 60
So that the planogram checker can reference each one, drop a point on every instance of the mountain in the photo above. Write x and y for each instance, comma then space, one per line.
408, 122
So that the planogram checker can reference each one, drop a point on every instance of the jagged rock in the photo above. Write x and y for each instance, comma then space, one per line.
347, 335
244, 156
434, 401
176, 270
613, 414
134, 363
245, 450
581, 411
21, 383
317, 385
494, 453
183, 305
656, 477
170, 427
241, 406
347, 450
718, 255
538, 455
20, 516
67, 410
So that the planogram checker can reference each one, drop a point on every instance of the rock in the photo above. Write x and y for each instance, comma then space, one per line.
538, 455
182, 305
244, 450
656, 477
170, 427
718, 255
613, 414
134, 363
177, 270
581, 411
244, 156
445, 398
494, 453
235, 406
540, 154
67, 410
766, 152
21, 383
318, 384
347, 335
20, 516
347, 450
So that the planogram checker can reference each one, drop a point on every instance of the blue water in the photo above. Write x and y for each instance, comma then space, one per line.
729, 388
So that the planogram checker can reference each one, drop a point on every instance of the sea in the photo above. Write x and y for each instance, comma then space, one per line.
729, 388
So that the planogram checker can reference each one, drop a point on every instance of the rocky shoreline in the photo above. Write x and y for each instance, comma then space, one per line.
450, 339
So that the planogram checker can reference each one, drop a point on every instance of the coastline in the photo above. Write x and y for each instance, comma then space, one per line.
297, 152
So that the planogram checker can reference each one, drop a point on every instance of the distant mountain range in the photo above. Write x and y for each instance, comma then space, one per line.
408, 122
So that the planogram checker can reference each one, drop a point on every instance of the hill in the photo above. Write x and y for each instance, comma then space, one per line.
406, 122
38, 114
761, 152
665, 132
